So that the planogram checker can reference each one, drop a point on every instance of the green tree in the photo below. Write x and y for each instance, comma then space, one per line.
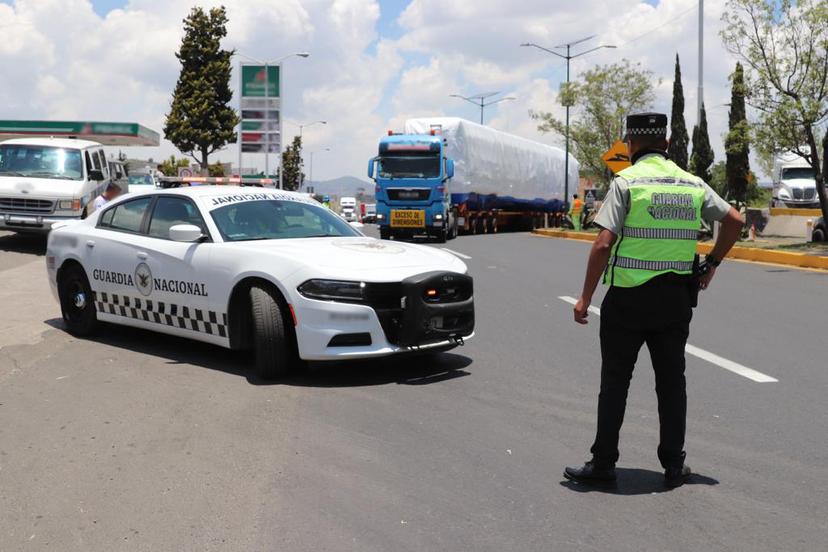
702, 156
737, 141
784, 45
169, 167
201, 120
292, 175
601, 99
678, 129
216, 169
718, 178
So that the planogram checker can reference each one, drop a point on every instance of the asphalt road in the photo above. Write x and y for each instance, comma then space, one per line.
137, 441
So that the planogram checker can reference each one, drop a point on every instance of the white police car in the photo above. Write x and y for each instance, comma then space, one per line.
256, 269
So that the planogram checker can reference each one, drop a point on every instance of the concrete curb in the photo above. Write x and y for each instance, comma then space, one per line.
753, 254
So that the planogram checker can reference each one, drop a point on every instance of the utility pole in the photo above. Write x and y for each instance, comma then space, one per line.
568, 57
700, 99
480, 100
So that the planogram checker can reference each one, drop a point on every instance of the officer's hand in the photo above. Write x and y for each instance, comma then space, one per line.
581, 311
705, 279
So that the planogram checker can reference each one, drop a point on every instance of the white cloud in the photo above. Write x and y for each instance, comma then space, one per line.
61, 60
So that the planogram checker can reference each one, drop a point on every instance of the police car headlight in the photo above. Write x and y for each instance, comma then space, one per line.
333, 290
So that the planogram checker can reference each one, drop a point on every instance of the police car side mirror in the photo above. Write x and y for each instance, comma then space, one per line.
185, 233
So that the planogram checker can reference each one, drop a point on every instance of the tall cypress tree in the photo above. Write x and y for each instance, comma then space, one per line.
201, 120
737, 142
678, 130
702, 156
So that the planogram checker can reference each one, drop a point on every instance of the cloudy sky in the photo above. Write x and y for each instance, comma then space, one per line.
373, 63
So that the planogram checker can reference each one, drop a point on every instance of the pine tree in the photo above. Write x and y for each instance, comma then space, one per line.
678, 129
737, 142
702, 156
292, 175
201, 120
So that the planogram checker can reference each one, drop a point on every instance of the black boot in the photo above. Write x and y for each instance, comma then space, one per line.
590, 473
676, 477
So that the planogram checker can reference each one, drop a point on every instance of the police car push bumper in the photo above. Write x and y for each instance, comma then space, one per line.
430, 310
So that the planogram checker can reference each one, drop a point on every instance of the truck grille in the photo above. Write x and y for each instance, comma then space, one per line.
408, 194
25, 205
797, 193
810, 193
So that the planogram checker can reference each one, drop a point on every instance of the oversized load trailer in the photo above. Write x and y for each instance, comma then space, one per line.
488, 162
497, 180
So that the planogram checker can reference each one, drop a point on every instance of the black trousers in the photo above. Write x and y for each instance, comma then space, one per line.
657, 313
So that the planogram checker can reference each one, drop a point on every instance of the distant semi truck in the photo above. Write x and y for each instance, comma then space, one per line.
794, 184
445, 176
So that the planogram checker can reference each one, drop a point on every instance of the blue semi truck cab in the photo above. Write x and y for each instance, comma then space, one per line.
413, 176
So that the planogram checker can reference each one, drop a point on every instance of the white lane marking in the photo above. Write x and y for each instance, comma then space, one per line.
712, 358
455, 253
573, 301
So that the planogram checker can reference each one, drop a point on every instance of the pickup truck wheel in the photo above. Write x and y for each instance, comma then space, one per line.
77, 302
272, 354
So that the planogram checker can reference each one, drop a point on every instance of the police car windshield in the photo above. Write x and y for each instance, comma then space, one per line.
40, 162
276, 220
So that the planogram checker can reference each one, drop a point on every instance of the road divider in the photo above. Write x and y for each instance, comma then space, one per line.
751, 254
698, 352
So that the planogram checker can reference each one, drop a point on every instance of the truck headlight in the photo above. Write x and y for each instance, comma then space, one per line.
380, 216
784, 194
333, 290
438, 217
69, 205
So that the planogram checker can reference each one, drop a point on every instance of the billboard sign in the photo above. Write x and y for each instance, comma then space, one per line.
261, 125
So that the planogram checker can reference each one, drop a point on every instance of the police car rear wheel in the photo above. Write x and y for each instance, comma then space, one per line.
76, 301
272, 353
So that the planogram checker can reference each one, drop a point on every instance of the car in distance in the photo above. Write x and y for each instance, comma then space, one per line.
270, 271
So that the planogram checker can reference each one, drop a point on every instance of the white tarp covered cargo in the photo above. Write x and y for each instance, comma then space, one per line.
488, 161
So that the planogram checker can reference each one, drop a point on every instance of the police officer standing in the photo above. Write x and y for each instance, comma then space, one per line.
645, 251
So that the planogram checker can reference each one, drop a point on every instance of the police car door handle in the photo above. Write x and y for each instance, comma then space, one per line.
90, 243
141, 255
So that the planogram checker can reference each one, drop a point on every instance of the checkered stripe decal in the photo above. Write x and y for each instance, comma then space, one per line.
642, 131
159, 312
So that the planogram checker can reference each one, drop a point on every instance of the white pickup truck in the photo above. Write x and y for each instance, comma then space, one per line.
48, 180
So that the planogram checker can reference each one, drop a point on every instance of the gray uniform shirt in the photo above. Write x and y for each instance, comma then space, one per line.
616, 205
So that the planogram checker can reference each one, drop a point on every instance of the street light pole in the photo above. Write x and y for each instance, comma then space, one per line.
310, 175
568, 57
480, 100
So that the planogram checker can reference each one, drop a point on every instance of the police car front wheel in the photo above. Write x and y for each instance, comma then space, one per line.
76, 301
273, 354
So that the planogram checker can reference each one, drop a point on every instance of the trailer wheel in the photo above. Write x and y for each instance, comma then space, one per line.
494, 224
